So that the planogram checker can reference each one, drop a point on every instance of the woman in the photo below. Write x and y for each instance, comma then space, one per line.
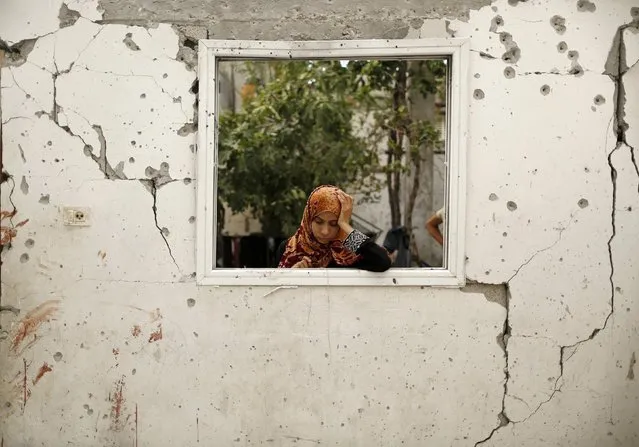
325, 237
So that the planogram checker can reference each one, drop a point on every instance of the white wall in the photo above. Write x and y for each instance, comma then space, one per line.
139, 355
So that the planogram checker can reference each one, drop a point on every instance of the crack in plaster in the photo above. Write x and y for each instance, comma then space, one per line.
110, 173
484, 54
538, 252
503, 418
14, 210
616, 67
552, 72
16, 118
141, 76
16, 54
56, 108
101, 160
14, 310
152, 186
106, 168
28, 96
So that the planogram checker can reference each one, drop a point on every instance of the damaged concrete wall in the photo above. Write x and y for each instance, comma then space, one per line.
106, 340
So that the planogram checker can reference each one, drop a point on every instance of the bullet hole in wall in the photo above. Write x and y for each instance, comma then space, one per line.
495, 23
599, 100
545, 89
130, 44
24, 186
558, 23
586, 6
512, 55
509, 72
478, 94
576, 70
512, 206
583, 203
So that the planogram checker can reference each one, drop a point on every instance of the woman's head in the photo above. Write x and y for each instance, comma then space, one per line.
322, 212
318, 240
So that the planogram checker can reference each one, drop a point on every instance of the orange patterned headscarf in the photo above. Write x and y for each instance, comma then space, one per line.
303, 245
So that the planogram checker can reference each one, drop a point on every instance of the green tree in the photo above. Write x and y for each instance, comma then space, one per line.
300, 125
295, 131
387, 89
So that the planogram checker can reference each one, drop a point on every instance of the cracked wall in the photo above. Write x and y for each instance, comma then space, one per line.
105, 338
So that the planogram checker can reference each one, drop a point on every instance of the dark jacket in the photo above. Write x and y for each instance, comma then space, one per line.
373, 257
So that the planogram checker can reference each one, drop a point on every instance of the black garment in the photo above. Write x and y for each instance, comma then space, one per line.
373, 257
397, 240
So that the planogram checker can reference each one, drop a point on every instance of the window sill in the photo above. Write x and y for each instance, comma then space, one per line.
430, 277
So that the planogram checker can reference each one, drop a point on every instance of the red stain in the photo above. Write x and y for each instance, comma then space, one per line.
29, 325
25, 389
25, 383
117, 405
8, 233
136, 331
157, 335
45, 368
136, 425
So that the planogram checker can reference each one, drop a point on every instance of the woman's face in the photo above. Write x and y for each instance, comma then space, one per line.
325, 227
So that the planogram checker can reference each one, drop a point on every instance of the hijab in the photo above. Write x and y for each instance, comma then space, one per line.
303, 243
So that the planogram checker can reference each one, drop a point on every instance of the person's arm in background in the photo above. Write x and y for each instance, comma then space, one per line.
432, 225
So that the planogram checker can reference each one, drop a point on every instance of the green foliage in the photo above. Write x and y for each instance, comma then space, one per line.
293, 133
298, 128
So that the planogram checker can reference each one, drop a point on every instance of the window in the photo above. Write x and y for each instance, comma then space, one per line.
385, 120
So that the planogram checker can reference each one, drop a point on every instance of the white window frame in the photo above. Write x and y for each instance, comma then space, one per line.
453, 272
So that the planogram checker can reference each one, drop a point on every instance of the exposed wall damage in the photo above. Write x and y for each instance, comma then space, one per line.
98, 108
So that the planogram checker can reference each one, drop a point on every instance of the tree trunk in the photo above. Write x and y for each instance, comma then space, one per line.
395, 144
392, 184
416, 161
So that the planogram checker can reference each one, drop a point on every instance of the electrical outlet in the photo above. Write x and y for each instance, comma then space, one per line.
76, 216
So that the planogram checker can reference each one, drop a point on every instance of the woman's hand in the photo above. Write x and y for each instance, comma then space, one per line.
303, 264
344, 218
